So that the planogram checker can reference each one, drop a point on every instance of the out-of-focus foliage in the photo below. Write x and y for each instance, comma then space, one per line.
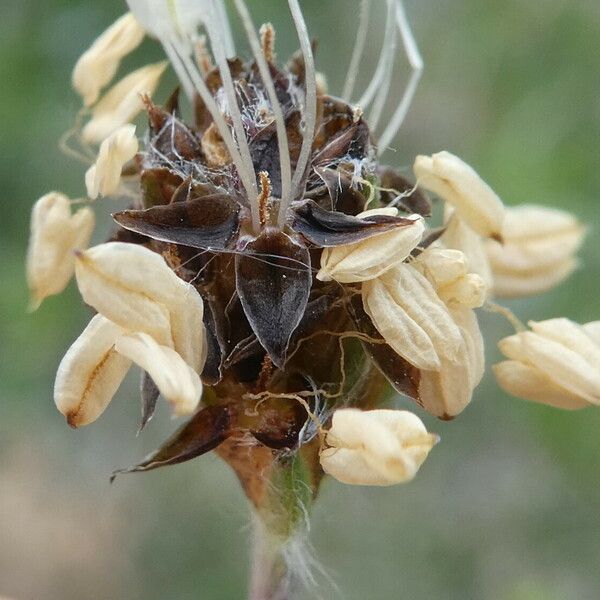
506, 507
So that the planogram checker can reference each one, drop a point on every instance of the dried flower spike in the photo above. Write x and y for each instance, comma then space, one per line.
254, 290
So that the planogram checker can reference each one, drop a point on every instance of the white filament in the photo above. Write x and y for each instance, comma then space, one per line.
310, 107
160, 18
219, 52
388, 69
416, 63
225, 28
379, 74
359, 47
265, 73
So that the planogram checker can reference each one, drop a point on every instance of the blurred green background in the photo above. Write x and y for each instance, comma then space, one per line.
507, 506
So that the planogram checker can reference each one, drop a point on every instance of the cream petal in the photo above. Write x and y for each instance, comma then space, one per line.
457, 183
55, 235
351, 467
379, 447
177, 381
397, 327
130, 307
98, 65
122, 102
411, 290
531, 256
529, 221
90, 373
447, 392
571, 335
532, 283
469, 291
370, 258
104, 176
460, 236
566, 367
593, 330
134, 286
528, 383
442, 265
468, 323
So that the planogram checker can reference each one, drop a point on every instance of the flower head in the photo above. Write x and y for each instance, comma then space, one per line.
272, 278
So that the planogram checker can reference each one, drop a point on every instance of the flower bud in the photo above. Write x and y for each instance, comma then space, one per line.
370, 258
122, 103
409, 315
104, 176
134, 287
556, 363
90, 373
377, 447
457, 183
177, 382
447, 270
55, 234
97, 66
538, 250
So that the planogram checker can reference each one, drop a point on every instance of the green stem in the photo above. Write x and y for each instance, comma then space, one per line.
278, 524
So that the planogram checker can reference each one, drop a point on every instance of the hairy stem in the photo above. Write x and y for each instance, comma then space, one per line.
269, 577
279, 559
